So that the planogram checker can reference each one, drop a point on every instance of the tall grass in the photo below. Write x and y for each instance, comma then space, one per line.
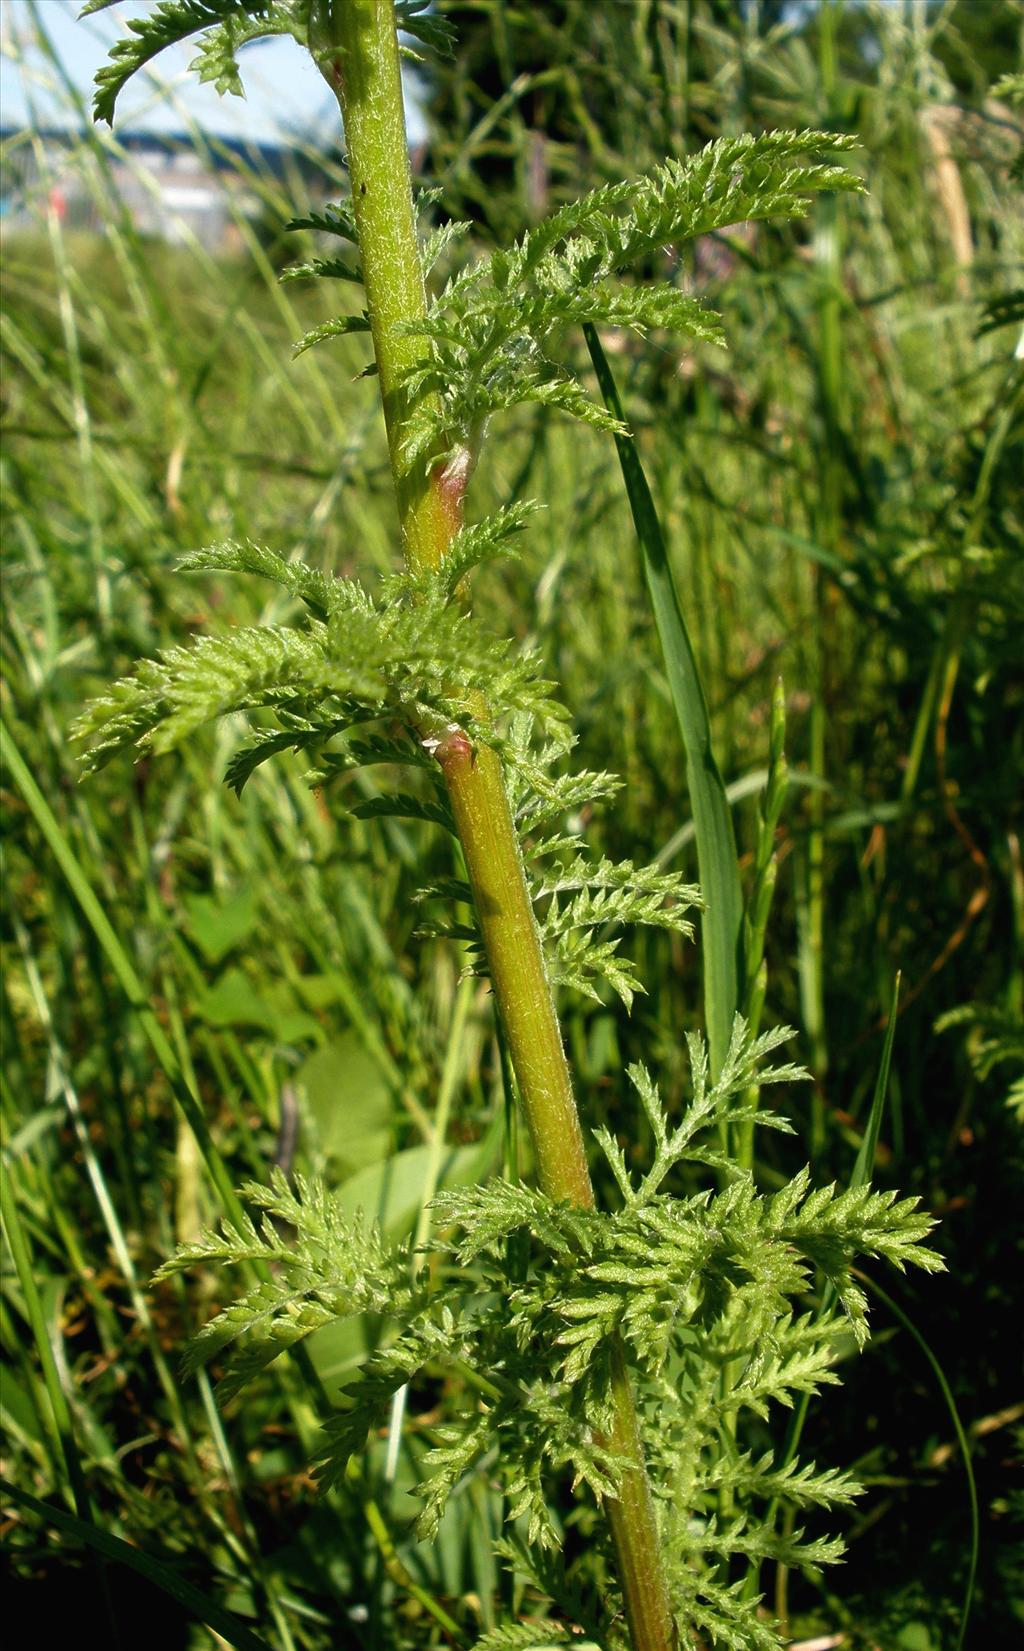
868, 552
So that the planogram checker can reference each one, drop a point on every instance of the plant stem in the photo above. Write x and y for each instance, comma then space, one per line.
516, 965
355, 44
357, 50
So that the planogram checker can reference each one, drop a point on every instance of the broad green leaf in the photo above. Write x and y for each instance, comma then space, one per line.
233, 1001
218, 926
349, 1103
391, 1193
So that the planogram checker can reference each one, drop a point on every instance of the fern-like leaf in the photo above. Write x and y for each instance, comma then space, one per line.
524, 1636
301, 736
334, 1269
483, 541
324, 595
801, 1485
217, 57
488, 1215
340, 326
439, 240
415, 18
412, 656
183, 688
424, 1338
336, 218
400, 806
730, 181
316, 269
486, 333
169, 22
457, 1447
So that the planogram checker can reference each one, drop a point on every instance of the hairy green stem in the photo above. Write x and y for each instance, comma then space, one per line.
357, 50
355, 45
516, 964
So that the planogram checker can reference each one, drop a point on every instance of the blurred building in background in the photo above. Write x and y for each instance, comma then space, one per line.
173, 188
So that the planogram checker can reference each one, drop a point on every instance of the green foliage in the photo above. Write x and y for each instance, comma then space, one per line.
335, 219
410, 655
693, 1283
604, 894
217, 57
415, 17
522, 1637
224, 25
488, 328
415, 659
333, 269
699, 1289
996, 1039
337, 1269
339, 326
735, 457
483, 541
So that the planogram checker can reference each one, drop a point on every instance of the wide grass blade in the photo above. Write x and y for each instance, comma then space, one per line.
718, 870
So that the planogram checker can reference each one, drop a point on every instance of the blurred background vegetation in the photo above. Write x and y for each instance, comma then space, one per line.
842, 494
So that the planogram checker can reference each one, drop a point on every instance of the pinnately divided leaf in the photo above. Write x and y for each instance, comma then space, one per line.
586, 897
171, 696
414, 17
217, 57
333, 219
324, 595
172, 21
691, 1283
485, 540
412, 656
341, 326
486, 334
335, 1269
316, 269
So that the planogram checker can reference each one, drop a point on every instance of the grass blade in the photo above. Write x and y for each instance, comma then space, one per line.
860, 1175
200, 1605
58, 1420
961, 1436
718, 870
121, 966
869, 1144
